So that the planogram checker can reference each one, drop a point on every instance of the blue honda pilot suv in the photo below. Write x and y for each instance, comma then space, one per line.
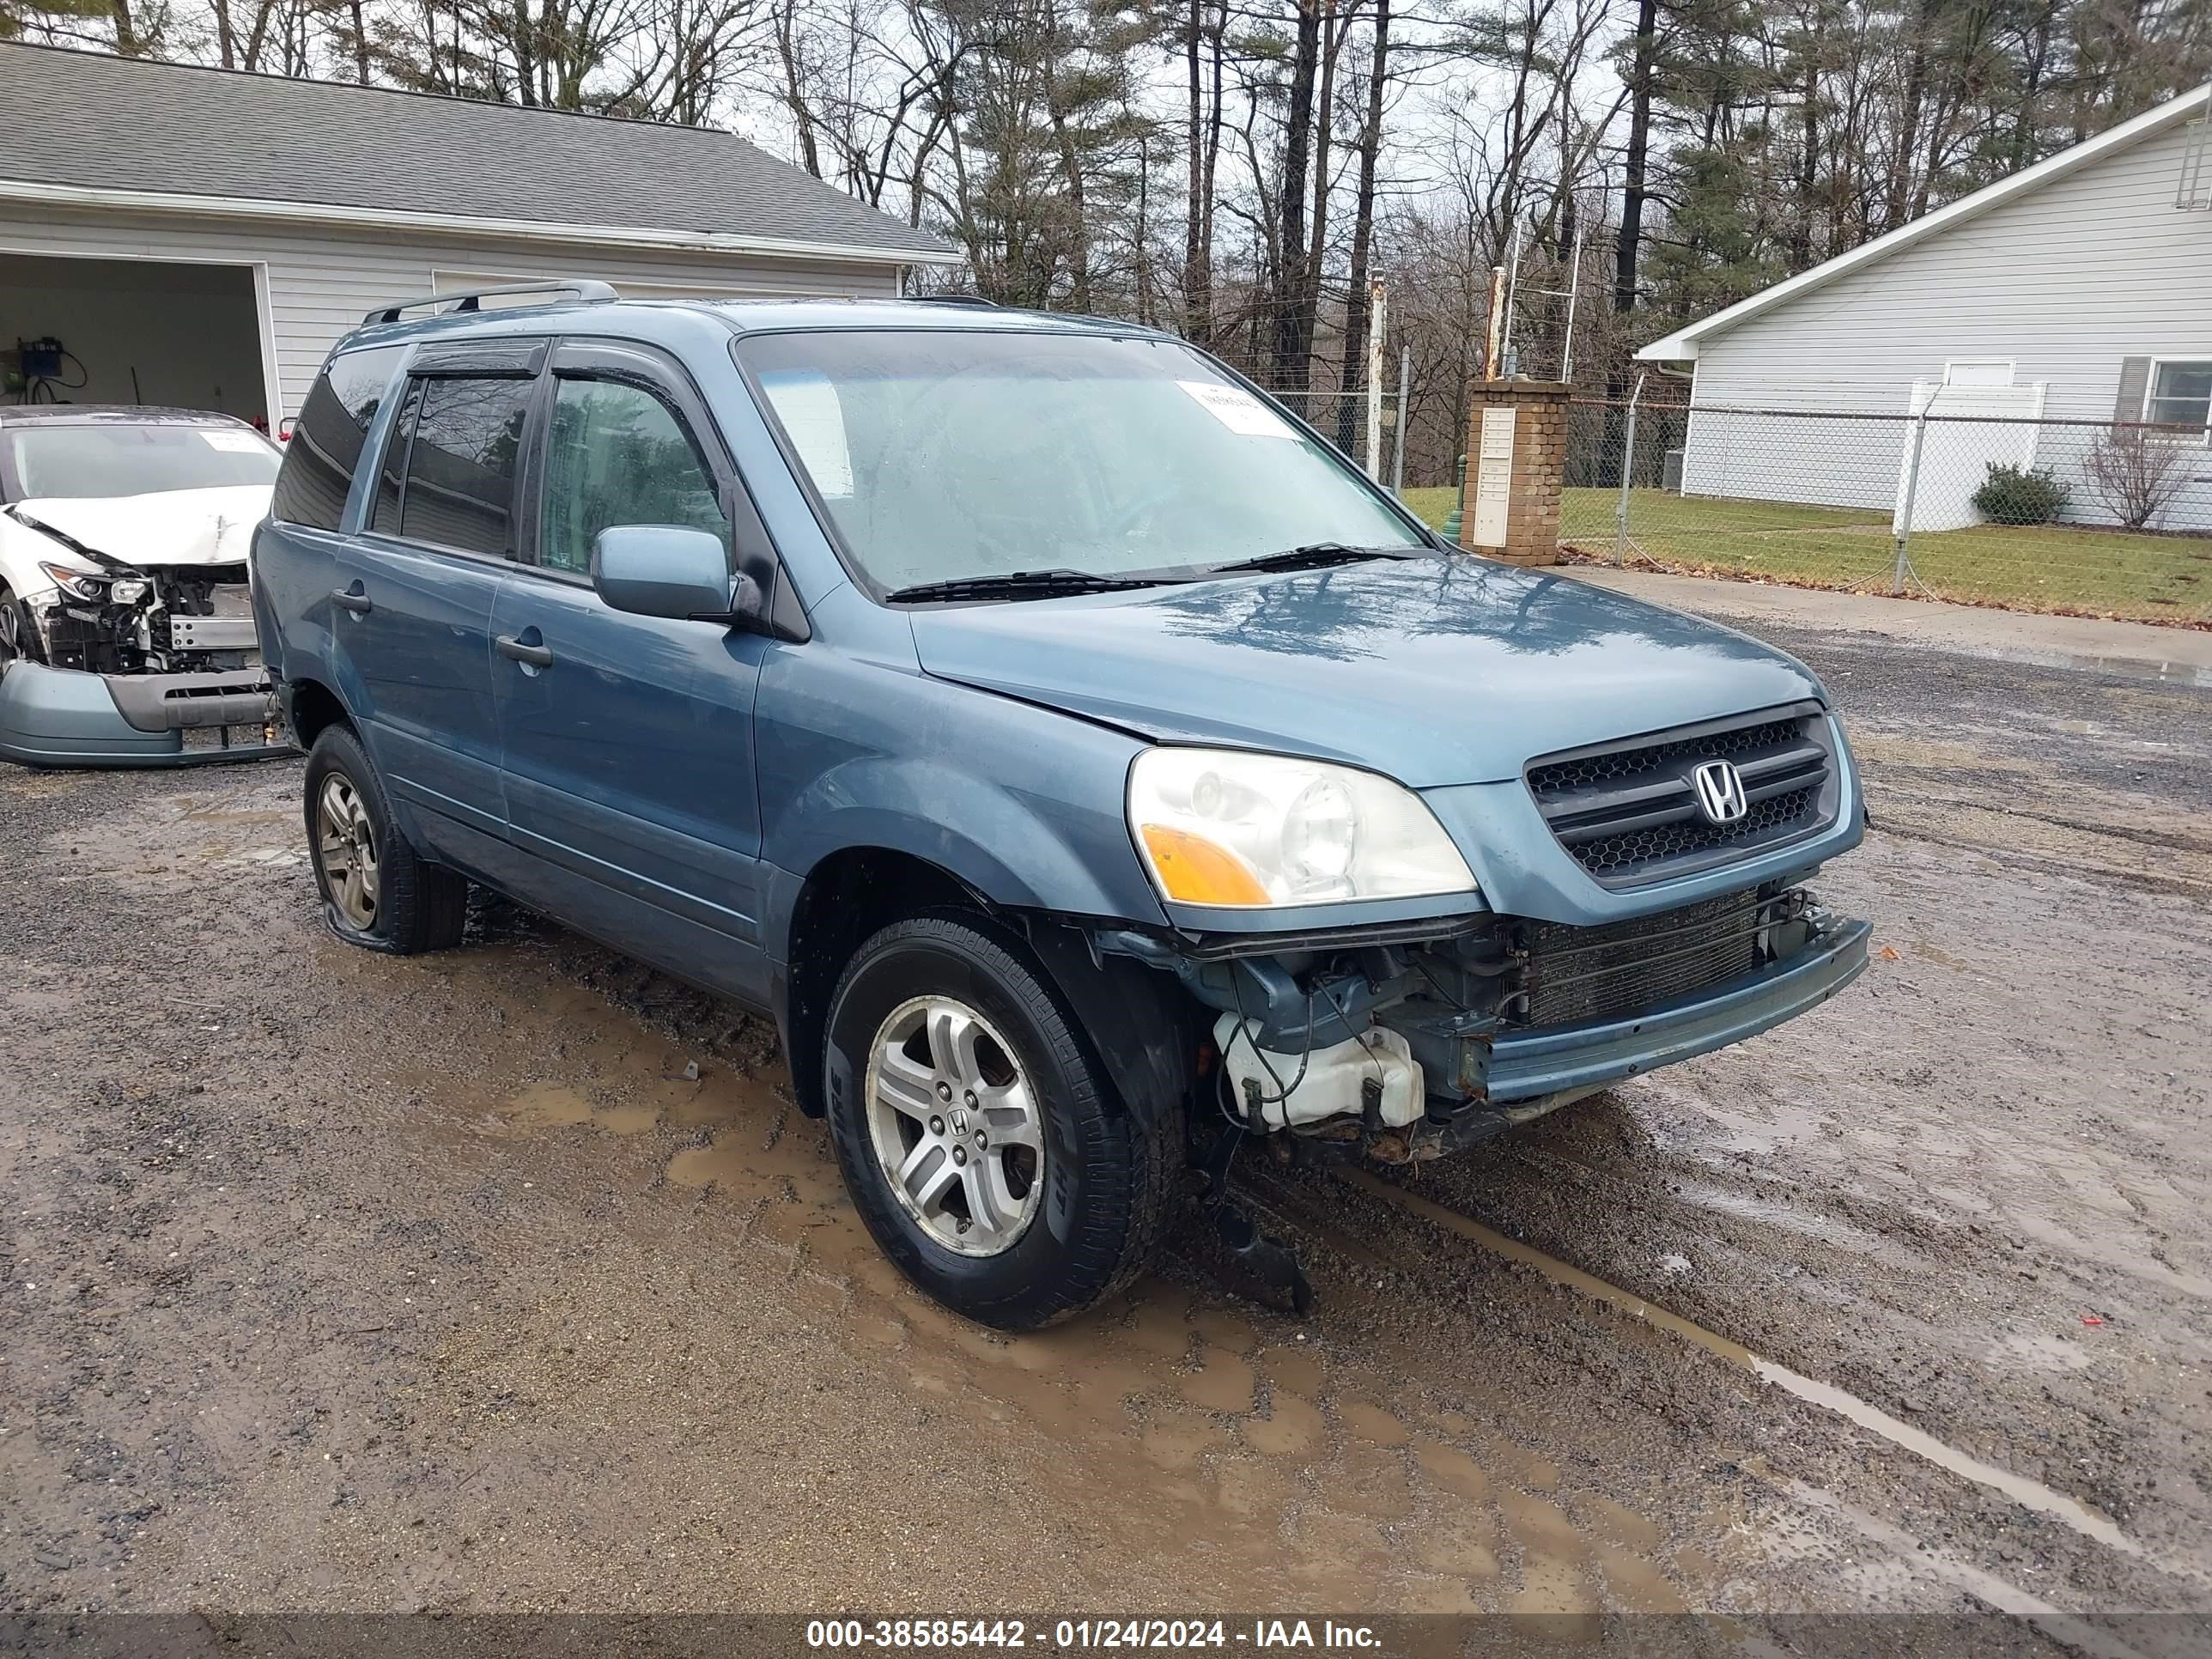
1085, 766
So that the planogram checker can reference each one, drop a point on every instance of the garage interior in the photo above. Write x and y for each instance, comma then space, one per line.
84, 330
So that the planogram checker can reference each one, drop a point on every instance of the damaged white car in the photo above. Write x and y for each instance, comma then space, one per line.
126, 619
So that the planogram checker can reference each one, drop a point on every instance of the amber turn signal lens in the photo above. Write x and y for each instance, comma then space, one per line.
1194, 871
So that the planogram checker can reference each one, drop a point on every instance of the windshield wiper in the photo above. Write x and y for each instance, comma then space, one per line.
1019, 585
1313, 555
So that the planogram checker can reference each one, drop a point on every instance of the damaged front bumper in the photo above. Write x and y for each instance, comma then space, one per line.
1532, 1073
1403, 1049
1534, 1065
69, 717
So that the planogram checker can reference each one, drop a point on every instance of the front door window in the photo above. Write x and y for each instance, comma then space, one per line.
618, 455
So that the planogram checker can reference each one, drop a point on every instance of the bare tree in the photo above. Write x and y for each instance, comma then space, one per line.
1357, 303
2134, 471
1205, 24
1293, 319
1636, 157
1241, 167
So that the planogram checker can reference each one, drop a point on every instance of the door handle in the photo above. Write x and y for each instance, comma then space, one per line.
537, 656
353, 599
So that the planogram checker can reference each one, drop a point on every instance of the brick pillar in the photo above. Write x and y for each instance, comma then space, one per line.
1517, 456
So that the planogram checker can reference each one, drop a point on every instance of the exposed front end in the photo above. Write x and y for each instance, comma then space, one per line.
1642, 901
1419, 1048
158, 667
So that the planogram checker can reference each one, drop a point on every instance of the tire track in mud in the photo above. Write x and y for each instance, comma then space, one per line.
1816, 1488
2149, 860
1180, 1393
2029, 1494
502, 1266
1447, 1406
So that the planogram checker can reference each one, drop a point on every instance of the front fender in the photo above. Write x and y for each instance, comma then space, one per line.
1021, 803
1019, 852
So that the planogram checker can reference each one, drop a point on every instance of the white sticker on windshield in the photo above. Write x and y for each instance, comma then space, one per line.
806, 403
1237, 409
239, 443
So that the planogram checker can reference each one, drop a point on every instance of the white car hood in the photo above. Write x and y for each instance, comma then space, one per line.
166, 527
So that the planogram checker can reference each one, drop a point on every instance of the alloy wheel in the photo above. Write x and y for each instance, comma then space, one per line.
348, 848
955, 1126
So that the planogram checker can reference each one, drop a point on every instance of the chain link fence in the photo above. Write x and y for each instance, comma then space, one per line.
1341, 417
1970, 497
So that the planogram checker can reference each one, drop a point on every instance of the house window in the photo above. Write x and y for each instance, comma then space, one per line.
1977, 371
2180, 394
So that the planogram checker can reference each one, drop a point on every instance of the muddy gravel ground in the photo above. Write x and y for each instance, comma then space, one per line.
510, 1279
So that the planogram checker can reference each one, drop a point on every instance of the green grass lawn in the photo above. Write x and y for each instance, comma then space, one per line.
2159, 578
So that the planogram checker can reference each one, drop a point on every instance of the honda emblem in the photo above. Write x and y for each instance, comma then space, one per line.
1720, 792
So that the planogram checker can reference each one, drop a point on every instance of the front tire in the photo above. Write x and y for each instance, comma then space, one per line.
377, 891
19, 640
980, 1142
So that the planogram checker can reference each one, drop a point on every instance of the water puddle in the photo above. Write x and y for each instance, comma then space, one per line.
2132, 668
2038, 1351
2158, 671
2029, 1494
2111, 1249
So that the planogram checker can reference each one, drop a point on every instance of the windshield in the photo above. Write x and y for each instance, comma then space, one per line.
944, 455
81, 462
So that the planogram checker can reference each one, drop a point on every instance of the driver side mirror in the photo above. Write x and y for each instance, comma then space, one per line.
673, 571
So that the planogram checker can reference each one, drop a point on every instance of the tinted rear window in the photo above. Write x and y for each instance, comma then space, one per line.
326, 440
461, 465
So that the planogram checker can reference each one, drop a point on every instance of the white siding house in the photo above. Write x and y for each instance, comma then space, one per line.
2072, 295
200, 237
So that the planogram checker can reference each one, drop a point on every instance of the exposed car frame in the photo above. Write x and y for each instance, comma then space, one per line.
119, 663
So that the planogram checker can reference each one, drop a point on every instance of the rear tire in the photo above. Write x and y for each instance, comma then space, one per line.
377, 891
944, 1042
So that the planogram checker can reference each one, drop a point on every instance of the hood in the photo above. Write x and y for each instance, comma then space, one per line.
1434, 672
166, 527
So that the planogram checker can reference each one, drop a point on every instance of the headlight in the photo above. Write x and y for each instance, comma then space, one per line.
1223, 827
76, 583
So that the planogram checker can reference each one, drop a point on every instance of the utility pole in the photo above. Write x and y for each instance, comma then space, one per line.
1378, 294
1512, 298
1398, 427
1496, 322
1574, 294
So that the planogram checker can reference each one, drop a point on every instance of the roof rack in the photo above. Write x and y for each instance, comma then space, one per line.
954, 299
469, 298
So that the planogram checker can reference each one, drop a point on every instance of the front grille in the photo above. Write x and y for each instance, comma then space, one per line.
1571, 973
1628, 813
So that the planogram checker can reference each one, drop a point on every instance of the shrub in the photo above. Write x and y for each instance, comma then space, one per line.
2136, 472
2020, 495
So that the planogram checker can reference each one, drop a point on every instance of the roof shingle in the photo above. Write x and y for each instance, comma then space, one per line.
81, 120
